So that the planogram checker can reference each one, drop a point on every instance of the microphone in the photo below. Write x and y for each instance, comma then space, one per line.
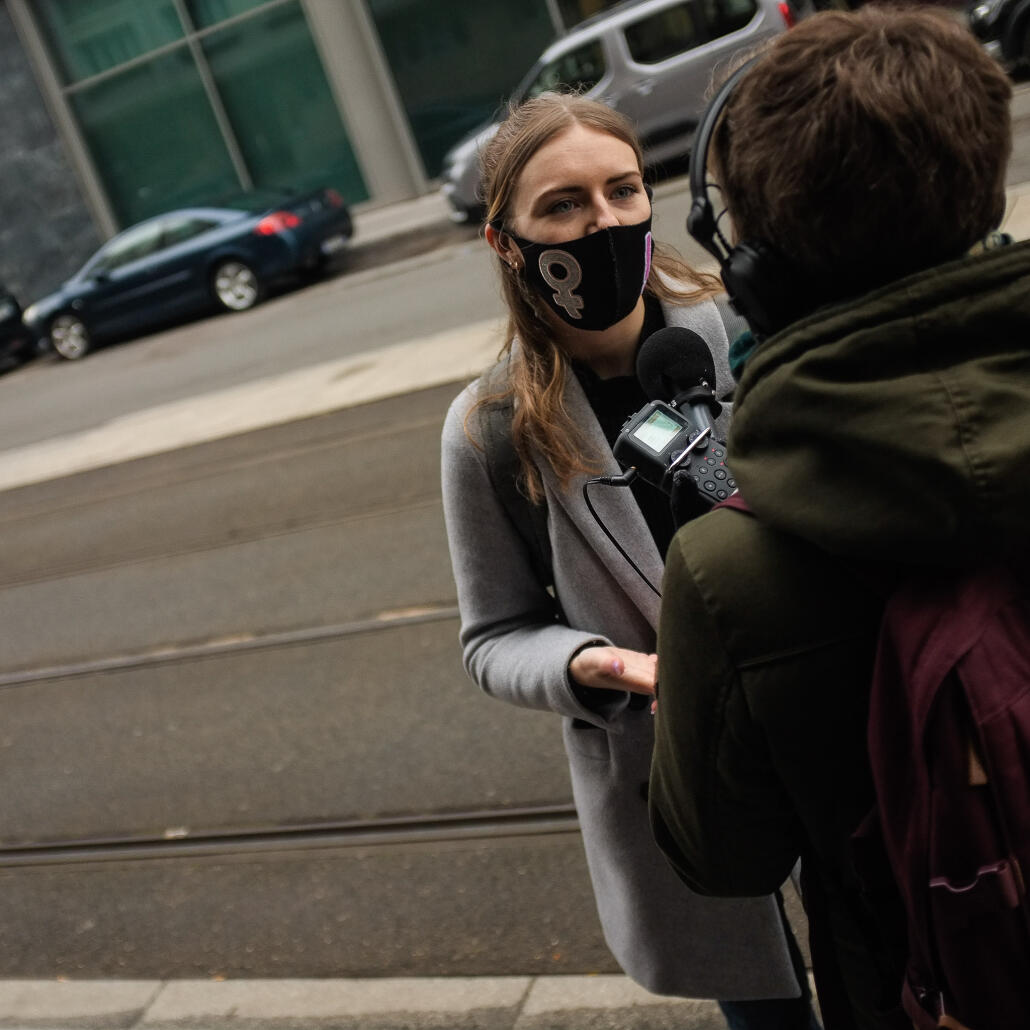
669, 442
675, 365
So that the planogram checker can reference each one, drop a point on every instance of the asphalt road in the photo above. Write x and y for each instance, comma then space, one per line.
235, 735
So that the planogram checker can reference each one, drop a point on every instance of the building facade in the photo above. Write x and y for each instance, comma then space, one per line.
120, 109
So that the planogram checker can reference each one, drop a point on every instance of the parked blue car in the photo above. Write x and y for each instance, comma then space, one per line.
188, 261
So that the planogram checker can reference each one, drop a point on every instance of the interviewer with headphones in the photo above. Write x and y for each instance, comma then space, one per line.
551, 615
881, 417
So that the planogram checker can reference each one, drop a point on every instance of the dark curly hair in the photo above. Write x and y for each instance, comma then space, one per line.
867, 145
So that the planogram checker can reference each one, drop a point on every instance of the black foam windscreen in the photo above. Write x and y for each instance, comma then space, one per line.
673, 360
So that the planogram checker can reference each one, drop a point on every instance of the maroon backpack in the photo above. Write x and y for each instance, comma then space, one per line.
949, 745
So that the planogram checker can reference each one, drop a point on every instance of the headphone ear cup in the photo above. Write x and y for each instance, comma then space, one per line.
761, 286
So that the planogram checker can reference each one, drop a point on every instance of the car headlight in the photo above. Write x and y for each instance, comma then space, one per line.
8, 309
29, 314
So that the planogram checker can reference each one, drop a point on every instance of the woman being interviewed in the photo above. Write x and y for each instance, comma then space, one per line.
569, 218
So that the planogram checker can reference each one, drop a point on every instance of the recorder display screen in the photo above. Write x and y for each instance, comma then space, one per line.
658, 431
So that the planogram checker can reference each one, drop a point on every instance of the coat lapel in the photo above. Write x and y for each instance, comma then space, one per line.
616, 508
615, 505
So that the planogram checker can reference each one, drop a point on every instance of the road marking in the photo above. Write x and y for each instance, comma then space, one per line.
450, 827
168, 653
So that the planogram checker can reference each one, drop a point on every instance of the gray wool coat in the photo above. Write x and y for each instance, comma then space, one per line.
668, 939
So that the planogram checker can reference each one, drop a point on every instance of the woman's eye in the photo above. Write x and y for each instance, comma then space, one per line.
626, 190
561, 207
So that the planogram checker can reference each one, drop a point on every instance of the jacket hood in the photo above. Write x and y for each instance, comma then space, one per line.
897, 426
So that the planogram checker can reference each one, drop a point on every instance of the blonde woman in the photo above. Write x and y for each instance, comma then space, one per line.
569, 223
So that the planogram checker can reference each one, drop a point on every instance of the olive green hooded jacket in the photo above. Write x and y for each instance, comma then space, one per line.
894, 429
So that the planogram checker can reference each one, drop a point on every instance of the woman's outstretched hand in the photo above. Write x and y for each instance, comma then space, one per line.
615, 668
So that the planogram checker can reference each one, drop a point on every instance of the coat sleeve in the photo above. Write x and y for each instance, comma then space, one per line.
513, 647
718, 808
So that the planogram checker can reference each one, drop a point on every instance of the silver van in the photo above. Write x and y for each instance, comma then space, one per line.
650, 59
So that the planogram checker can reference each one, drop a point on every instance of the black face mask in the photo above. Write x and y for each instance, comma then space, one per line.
594, 281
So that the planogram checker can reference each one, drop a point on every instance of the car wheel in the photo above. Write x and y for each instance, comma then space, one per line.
236, 285
69, 337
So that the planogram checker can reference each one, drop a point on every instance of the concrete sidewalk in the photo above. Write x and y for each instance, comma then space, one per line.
486, 1003
375, 224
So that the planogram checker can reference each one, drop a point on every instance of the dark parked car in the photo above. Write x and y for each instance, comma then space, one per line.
1003, 26
16, 341
188, 261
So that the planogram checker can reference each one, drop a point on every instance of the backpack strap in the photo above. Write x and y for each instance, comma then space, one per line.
505, 472
736, 502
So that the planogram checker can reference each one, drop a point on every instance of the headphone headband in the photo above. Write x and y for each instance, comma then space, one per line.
763, 286
701, 222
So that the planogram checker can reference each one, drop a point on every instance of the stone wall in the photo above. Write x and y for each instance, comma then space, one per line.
46, 231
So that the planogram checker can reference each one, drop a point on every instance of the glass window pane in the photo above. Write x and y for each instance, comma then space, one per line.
580, 69
132, 245
663, 35
91, 37
275, 92
455, 62
154, 138
181, 228
211, 12
725, 16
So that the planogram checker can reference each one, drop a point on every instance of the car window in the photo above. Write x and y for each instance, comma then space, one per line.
178, 230
663, 35
133, 244
725, 16
579, 69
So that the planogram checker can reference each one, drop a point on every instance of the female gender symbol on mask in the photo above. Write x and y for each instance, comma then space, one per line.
564, 286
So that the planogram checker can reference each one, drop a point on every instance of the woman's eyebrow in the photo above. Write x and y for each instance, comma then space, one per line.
578, 188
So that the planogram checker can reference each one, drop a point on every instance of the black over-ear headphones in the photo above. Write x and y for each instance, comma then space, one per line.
761, 283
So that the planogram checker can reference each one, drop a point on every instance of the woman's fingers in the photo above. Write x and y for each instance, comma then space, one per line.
615, 668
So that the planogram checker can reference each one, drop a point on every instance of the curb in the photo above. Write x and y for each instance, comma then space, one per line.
450, 356
479, 1003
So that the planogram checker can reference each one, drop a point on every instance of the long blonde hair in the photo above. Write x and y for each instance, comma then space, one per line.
537, 372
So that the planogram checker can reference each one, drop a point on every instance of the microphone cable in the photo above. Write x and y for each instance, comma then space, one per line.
624, 480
